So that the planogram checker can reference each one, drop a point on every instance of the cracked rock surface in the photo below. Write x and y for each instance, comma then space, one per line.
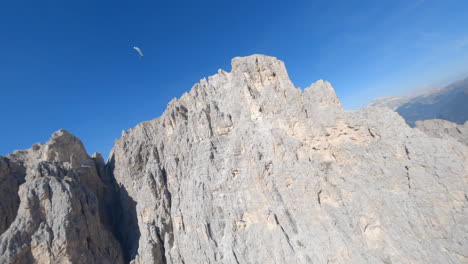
244, 168
439, 128
56, 214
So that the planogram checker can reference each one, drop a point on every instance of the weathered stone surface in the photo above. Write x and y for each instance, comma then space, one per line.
11, 176
246, 168
439, 128
58, 219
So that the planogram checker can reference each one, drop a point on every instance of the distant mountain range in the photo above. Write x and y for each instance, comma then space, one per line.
448, 103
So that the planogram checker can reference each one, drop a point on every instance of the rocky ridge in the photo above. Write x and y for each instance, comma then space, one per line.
244, 168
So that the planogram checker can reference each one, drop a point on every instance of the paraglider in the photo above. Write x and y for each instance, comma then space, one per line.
139, 51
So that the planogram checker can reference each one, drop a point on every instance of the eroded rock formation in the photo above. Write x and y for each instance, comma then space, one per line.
56, 218
246, 168
439, 128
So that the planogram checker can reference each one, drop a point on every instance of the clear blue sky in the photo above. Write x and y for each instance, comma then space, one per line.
70, 64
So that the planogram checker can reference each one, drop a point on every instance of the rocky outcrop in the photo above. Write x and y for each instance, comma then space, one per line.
11, 176
244, 168
439, 128
57, 218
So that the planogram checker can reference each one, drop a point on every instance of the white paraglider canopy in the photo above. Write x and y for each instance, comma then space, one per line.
139, 51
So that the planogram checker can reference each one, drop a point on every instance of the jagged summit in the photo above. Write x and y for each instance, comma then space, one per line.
260, 64
261, 70
62, 146
257, 87
64, 136
246, 168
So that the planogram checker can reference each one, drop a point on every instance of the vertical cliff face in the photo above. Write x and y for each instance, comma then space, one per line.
52, 193
11, 176
246, 168
177, 170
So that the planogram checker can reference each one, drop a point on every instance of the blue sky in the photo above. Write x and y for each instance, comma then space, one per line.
70, 64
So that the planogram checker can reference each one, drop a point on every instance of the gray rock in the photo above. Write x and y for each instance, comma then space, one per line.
57, 218
439, 128
246, 168
11, 176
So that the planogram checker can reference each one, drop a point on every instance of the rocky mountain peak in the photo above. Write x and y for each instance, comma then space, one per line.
260, 67
322, 94
264, 72
56, 207
62, 147
247, 157
244, 168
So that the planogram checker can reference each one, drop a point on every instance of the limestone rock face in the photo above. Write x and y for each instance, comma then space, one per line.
11, 176
246, 168
53, 193
439, 128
